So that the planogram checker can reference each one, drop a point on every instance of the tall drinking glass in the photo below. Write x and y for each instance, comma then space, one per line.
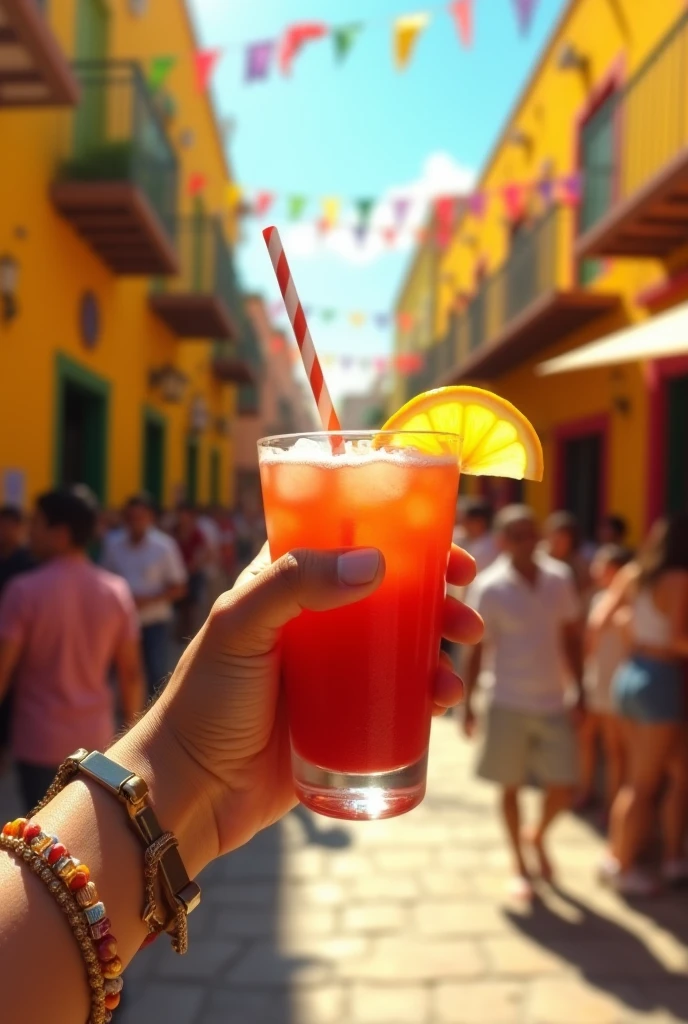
359, 679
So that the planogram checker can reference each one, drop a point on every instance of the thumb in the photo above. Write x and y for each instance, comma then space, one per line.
302, 579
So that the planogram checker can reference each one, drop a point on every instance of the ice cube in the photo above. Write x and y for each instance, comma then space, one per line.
297, 481
419, 510
376, 483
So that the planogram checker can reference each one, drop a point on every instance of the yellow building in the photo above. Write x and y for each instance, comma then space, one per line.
123, 336
605, 112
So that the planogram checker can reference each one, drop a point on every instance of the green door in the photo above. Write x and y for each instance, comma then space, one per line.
597, 166
154, 456
81, 419
676, 495
192, 470
215, 470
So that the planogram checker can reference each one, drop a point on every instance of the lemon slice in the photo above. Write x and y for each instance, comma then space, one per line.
498, 440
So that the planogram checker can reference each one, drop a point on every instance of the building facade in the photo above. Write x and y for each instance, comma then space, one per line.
274, 404
544, 270
122, 334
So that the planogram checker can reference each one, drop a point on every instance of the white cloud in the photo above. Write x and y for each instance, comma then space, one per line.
440, 175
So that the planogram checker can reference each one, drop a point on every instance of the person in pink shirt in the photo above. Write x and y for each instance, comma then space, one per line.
62, 627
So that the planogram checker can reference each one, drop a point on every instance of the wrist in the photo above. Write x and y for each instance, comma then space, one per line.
177, 790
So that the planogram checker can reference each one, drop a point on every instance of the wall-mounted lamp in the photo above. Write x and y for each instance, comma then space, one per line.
9, 280
171, 383
518, 137
571, 59
199, 415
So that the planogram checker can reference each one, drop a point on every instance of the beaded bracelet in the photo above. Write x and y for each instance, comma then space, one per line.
68, 881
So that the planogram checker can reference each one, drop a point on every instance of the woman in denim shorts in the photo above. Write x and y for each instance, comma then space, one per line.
649, 695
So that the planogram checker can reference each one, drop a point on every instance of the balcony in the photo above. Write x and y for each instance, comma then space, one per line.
230, 366
199, 301
117, 184
529, 302
635, 160
34, 71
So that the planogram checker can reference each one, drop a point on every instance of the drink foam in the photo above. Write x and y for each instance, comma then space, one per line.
317, 454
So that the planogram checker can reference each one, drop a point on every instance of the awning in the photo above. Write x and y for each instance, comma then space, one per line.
664, 335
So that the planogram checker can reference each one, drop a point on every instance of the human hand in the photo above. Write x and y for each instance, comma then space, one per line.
223, 712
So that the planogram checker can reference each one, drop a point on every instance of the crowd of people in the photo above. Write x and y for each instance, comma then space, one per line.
91, 604
583, 659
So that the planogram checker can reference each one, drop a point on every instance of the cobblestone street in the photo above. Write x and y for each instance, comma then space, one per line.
406, 922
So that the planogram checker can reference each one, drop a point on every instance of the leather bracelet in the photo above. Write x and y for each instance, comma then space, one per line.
162, 857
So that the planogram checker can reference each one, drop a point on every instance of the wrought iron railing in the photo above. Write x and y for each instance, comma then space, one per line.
638, 130
205, 262
116, 135
534, 267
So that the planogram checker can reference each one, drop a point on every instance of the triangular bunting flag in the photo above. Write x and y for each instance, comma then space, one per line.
445, 213
295, 206
360, 232
205, 62
477, 204
400, 207
380, 363
513, 196
344, 37
405, 320
160, 68
331, 206
328, 315
390, 235
405, 32
257, 61
293, 40
276, 345
365, 208
233, 194
197, 182
462, 13
571, 188
262, 203
381, 320
524, 13
357, 319
545, 187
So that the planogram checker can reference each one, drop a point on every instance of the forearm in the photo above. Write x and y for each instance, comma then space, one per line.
94, 826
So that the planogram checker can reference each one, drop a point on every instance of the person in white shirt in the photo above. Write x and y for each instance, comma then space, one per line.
531, 612
477, 536
152, 565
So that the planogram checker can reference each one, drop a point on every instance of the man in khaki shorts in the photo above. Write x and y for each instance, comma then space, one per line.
532, 625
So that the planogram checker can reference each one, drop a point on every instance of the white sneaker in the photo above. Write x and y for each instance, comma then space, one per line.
675, 872
635, 882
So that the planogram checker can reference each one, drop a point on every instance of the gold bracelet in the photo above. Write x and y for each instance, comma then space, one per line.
74, 914
161, 859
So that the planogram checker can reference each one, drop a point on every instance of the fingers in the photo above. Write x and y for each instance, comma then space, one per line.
460, 623
316, 580
461, 567
447, 687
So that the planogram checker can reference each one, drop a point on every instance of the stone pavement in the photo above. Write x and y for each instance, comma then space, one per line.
406, 922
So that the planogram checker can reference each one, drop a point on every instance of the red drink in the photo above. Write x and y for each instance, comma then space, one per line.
359, 679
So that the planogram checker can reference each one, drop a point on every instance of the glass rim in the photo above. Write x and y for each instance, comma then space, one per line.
350, 435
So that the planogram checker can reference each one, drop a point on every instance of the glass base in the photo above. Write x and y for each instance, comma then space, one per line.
354, 797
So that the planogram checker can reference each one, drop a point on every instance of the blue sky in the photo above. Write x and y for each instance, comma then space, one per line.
360, 129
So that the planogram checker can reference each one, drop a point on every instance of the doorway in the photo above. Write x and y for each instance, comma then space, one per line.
81, 428
153, 475
676, 488
581, 460
192, 470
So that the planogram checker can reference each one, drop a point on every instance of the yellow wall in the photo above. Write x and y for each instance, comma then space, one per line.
619, 36
57, 267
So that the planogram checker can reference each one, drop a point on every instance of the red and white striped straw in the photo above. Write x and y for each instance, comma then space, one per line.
328, 416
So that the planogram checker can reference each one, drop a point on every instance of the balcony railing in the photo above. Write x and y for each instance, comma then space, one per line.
528, 302
119, 176
635, 159
201, 300
34, 71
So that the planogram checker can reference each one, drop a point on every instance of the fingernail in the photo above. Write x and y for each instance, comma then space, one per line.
358, 567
